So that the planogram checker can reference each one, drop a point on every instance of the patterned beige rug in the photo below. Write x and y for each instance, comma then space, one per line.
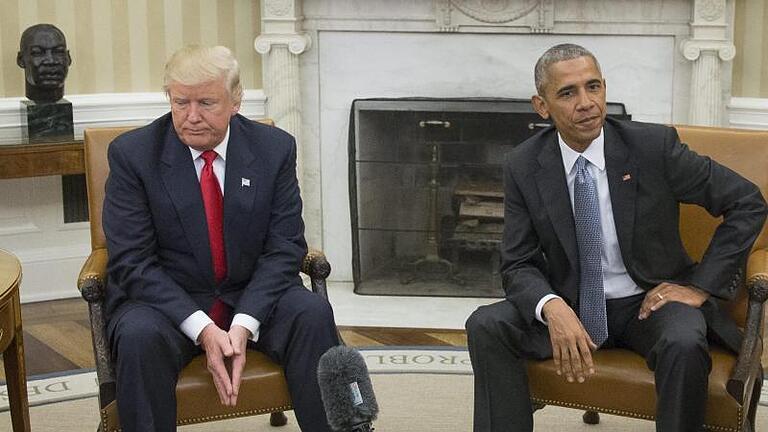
82, 384
418, 389
408, 402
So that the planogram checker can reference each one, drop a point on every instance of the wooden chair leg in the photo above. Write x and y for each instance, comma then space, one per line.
278, 419
591, 417
749, 423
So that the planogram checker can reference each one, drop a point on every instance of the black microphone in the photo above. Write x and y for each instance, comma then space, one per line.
346, 390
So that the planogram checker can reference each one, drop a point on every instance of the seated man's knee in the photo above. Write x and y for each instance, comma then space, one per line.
315, 310
481, 324
686, 342
138, 332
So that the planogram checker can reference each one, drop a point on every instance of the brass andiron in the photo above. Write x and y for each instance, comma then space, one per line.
432, 265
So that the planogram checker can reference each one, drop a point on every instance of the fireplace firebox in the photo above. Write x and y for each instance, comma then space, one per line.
426, 192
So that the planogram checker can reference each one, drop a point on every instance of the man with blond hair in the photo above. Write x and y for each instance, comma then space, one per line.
202, 216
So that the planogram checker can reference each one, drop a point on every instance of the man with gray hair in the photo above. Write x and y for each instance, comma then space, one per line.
592, 256
202, 216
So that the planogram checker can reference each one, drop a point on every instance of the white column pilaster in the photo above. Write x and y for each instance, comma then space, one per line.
281, 77
709, 46
280, 44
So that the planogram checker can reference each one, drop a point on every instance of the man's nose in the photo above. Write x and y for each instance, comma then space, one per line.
583, 101
193, 114
48, 57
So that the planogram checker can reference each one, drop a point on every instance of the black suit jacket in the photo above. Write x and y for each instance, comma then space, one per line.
649, 174
156, 231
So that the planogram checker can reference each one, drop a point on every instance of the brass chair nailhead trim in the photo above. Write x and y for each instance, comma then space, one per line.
106, 427
89, 277
759, 276
234, 415
632, 414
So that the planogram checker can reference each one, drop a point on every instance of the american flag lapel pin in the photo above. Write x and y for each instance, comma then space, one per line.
244, 182
626, 177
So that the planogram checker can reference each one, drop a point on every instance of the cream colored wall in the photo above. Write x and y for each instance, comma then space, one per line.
750, 67
122, 45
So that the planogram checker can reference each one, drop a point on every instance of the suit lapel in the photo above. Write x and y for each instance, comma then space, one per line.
553, 188
242, 179
180, 179
622, 183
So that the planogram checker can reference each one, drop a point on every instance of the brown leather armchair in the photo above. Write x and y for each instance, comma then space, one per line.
263, 389
623, 384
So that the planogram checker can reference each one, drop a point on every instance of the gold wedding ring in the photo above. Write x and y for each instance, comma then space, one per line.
661, 297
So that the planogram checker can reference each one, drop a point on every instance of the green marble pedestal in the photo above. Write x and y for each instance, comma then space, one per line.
47, 122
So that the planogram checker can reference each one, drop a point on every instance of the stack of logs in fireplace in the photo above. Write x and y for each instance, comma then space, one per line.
479, 221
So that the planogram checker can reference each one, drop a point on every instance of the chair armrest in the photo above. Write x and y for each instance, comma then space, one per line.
751, 350
92, 282
93, 276
316, 266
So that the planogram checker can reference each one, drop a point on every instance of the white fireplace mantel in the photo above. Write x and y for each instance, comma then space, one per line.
667, 60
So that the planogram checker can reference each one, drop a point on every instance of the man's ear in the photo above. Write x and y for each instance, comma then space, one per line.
20, 60
540, 105
235, 108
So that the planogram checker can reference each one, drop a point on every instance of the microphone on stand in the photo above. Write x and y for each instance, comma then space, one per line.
346, 390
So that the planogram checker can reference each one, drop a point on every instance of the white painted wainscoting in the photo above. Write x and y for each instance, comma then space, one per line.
31, 213
748, 113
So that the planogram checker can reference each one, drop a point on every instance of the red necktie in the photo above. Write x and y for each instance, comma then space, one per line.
220, 312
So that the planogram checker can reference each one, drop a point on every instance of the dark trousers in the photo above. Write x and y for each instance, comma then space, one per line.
673, 341
150, 353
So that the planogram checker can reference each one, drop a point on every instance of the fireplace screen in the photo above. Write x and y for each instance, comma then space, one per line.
427, 195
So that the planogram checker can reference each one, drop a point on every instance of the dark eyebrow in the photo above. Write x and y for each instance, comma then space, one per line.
595, 81
564, 89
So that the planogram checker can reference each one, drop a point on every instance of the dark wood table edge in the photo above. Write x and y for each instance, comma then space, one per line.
41, 159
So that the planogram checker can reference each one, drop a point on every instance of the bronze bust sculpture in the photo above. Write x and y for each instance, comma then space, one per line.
44, 56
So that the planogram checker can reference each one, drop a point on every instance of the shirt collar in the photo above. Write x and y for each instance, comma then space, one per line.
220, 149
595, 153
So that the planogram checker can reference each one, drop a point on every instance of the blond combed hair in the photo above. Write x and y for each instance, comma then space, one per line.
194, 64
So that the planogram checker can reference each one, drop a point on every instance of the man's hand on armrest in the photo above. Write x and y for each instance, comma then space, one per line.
571, 345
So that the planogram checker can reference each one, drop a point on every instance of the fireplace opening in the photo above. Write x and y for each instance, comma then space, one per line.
426, 192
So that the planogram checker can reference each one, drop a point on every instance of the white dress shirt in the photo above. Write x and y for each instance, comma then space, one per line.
616, 280
194, 324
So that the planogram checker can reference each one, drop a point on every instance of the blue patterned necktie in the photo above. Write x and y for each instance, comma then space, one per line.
589, 239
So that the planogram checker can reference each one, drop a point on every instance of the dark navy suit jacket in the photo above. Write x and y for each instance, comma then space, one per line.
156, 229
649, 174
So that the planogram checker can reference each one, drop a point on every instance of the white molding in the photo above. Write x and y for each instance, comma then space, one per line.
112, 109
26, 227
50, 273
748, 113
296, 43
53, 253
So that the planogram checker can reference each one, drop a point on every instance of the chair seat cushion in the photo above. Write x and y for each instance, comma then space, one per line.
263, 390
623, 385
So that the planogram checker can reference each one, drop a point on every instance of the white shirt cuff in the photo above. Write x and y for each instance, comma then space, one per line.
540, 306
249, 322
194, 325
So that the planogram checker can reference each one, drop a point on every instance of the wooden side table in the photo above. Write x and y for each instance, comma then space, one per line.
11, 344
42, 159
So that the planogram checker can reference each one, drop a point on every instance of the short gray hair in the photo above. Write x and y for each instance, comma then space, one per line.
193, 65
558, 53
